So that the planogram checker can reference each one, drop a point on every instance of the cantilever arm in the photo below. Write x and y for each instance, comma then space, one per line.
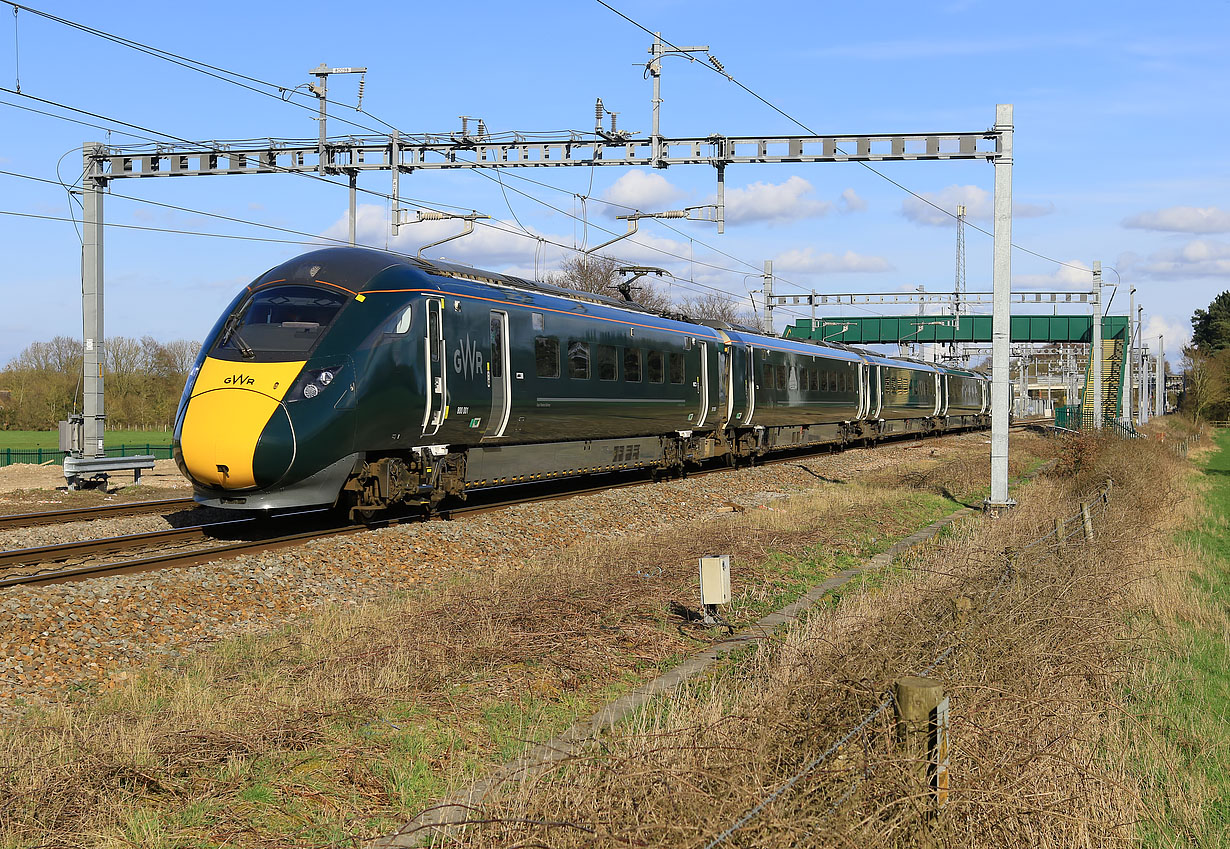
443, 216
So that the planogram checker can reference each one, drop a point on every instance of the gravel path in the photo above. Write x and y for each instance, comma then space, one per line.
59, 638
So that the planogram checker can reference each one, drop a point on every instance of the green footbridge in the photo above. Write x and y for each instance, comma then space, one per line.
892, 330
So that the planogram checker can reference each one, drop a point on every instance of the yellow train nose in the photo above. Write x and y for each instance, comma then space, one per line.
222, 432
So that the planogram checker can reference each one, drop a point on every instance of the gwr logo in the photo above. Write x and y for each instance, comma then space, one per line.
240, 380
467, 359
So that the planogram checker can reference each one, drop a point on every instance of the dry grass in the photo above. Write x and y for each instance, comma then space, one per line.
352, 721
1045, 683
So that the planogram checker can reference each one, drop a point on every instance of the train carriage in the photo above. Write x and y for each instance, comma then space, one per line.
358, 376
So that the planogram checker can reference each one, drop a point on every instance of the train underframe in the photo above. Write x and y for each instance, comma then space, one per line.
426, 476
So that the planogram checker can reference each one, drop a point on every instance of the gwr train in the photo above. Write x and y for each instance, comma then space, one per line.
364, 379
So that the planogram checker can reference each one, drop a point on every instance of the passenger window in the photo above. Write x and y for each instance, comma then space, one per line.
676, 361
578, 360
546, 356
656, 372
536, 319
781, 377
768, 380
433, 333
607, 367
815, 380
632, 365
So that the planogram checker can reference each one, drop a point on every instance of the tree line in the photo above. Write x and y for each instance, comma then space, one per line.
143, 380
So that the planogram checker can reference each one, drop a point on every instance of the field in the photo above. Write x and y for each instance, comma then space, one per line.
21, 440
1087, 679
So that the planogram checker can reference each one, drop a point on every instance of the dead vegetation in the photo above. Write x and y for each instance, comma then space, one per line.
351, 722
795, 745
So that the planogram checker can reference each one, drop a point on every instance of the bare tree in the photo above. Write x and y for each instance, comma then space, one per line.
716, 307
1208, 381
599, 275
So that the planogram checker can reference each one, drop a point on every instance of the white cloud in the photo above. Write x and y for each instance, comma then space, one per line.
1064, 277
487, 246
1182, 219
851, 202
1197, 258
808, 261
786, 201
1175, 333
978, 202
496, 245
644, 190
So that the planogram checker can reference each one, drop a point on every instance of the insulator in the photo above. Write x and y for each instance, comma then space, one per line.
614, 115
362, 82
482, 128
715, 63
432, 215
598, 114
465, 125
673, 213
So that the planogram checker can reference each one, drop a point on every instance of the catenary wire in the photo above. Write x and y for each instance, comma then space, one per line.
433, 205
795, 120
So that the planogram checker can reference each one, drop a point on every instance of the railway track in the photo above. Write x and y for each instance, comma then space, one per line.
166, 549
86, 514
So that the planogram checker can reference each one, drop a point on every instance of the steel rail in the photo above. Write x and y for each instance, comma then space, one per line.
173, 559
85, 514
95, 547
60, 552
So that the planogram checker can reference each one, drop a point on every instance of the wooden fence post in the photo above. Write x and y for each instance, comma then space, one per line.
1087, 521
922, 733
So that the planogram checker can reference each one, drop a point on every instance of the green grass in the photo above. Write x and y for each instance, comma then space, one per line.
1194, 716
23, 440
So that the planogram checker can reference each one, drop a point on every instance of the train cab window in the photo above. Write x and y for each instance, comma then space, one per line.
657, 373
399, 324
606, 357
546, 356
278, 322
676, 362
632, 365
578, 360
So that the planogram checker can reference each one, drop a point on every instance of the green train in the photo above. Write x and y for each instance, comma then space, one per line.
369, 380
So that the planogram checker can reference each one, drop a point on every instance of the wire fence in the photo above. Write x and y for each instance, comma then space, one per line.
55, 457
1050, 544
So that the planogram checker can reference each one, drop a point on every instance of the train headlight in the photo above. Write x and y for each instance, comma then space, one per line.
325, 378
313, 382
310, 391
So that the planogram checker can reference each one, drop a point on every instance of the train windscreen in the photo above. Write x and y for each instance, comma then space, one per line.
279, 322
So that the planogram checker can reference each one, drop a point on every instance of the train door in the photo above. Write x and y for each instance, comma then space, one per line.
726, 397
437, 376
751, 385
864, 390
947, 387
877, 386
702, 383
499, 377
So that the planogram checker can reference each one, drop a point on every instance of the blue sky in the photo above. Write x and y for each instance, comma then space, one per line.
1120, 144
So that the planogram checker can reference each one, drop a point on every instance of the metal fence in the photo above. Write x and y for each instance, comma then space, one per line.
55, 457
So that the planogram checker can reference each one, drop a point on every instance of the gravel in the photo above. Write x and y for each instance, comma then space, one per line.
58, 639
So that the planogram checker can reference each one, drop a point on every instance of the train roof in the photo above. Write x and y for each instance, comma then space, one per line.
356, 269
